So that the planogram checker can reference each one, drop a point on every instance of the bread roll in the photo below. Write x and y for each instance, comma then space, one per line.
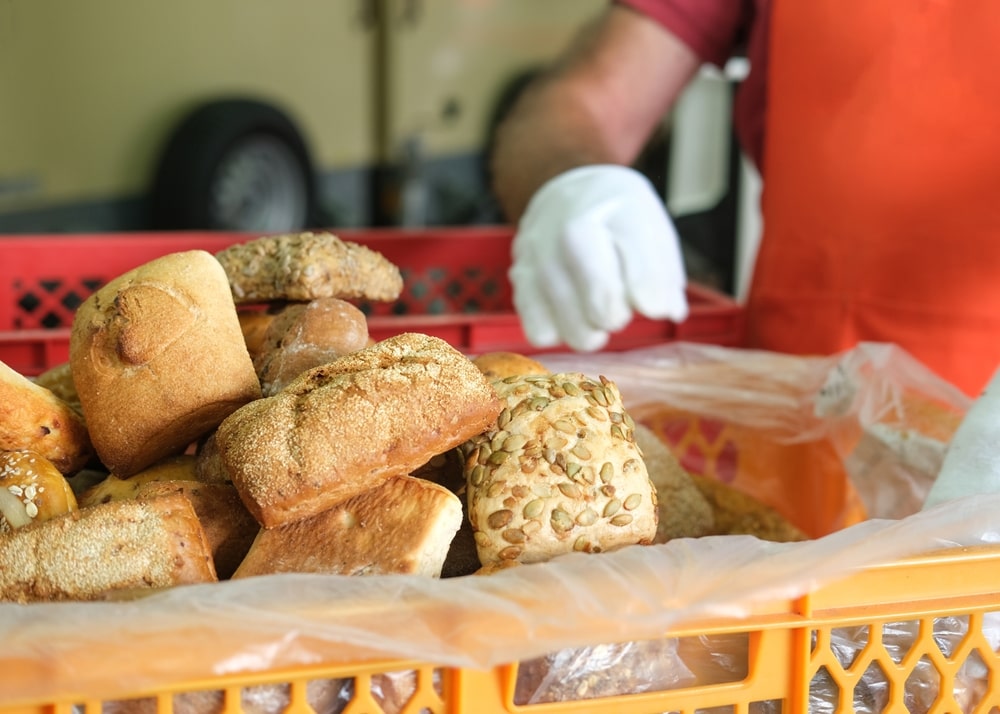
159, 360
305, 266
254, 323
501, 364
305, 335
559, 472
447, 470
33, 418
738, 513
112, 488
117, 546
228, 525
684, 511
31, 490
403, 526
347, 426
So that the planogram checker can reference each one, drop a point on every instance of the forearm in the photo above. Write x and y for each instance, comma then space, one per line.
599, 104
548, 132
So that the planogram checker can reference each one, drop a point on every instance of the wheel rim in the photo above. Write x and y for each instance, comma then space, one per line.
259, 185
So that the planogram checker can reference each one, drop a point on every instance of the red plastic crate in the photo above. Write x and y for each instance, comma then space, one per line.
455, 287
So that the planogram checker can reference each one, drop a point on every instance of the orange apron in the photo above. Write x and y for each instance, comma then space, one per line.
881, 203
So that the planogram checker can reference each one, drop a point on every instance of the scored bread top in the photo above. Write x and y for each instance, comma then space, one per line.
159, 359
305, 266
345, 427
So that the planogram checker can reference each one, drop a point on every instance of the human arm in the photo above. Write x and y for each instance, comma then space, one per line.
594, 241
598, 104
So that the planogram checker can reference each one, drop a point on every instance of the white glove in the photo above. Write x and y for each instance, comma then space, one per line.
594, 244
971, 463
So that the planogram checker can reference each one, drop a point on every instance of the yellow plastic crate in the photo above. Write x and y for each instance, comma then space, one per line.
790, 658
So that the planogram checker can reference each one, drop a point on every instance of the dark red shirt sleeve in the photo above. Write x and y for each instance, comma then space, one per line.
711, 28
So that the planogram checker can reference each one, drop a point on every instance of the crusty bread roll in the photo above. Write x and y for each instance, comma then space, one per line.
403, 526
31, 490
684, 511
305, 335
112, 488
229, 527
305, 266
159, 360
33, 418
345, 427
501, 364
558, 472
118, 546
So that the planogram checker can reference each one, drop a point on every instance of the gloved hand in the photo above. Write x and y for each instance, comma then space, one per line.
594, 245
971, 463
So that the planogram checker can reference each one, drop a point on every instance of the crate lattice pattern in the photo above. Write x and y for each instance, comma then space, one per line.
48, 303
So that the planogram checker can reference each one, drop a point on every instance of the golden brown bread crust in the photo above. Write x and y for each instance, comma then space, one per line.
305, 335
347, 426
501, 364
403, 526
122, 545
305, 266
112, 488
254, 324
31, 490
159, 359
229, 527
33, 418
684, 511
559, 472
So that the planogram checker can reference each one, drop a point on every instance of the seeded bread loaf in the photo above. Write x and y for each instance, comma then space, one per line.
403, 526
33, 418
345, 427
305, 335
559, 472
305, 266
159, 360
118, 546
31, 490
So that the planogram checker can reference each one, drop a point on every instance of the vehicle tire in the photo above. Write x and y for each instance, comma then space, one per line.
235, 164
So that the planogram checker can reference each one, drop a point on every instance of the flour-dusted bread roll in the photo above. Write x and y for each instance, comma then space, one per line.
118, 546
305, 266
345, 427
404, 526
305, 335
159, 359
32, 417
559, 472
